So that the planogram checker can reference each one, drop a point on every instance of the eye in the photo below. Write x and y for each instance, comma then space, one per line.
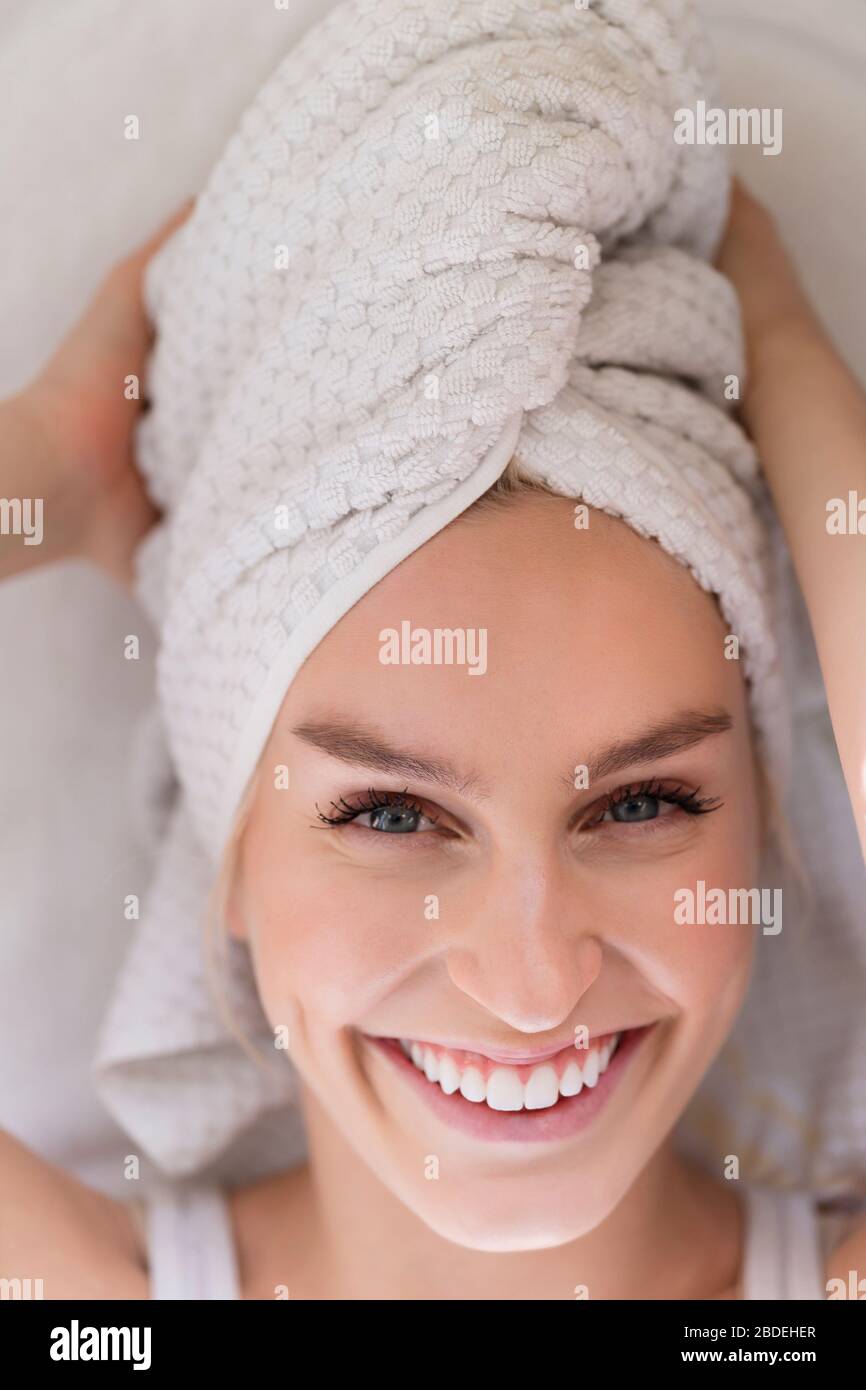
390, 813
634, 808
651, 801
394, 820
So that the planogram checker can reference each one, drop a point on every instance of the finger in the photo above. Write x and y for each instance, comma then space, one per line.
119, 302
138, 259
127, 273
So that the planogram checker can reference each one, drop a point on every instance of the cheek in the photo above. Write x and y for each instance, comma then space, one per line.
326, 936
702, 967
711, 965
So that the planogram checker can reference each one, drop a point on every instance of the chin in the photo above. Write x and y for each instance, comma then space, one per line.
522, 1214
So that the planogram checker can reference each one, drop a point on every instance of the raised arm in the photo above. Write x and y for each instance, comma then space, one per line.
68, 485
807, 415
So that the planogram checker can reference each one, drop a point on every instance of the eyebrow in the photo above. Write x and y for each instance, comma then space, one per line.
659, 740
364, 747
361, 746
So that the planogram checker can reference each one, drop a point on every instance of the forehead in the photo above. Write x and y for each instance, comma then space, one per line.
597, 627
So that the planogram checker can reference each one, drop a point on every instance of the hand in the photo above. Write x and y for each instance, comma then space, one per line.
77, 424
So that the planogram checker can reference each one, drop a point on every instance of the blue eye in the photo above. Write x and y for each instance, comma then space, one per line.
635, 808
395, 820
390, 813
649, 801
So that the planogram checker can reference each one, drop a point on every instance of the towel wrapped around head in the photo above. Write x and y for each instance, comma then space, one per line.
445, 234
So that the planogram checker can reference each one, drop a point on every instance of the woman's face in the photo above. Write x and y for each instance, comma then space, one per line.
483, 864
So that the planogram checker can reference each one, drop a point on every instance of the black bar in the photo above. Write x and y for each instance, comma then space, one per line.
240, 1337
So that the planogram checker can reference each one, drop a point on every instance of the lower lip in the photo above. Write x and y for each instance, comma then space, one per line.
568, 1116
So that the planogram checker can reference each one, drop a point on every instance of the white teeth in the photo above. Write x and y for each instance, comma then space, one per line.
472, 1085
542, 1089
590, 1068
449, 1075
571, 1081
503, 1088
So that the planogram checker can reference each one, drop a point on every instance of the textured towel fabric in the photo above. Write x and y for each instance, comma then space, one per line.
443, 235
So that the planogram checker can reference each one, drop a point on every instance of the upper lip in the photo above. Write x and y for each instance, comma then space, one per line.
510, 1056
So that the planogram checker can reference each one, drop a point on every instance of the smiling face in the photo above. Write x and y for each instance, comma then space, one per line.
438, 871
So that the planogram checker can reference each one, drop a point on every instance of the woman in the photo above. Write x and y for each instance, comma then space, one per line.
464, 927
503, 839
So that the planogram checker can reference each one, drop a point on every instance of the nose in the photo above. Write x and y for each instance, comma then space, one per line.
524, 949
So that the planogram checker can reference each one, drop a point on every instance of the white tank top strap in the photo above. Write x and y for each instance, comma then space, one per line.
783, 1258
190, 1245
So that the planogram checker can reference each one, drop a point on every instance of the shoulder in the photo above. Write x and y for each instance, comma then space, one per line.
846, 1267
273, 1224
78, 1242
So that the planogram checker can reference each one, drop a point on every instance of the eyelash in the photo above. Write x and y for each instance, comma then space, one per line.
347, 813
689, 801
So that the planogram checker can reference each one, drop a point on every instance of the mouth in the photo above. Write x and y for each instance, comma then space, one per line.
548, 1099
